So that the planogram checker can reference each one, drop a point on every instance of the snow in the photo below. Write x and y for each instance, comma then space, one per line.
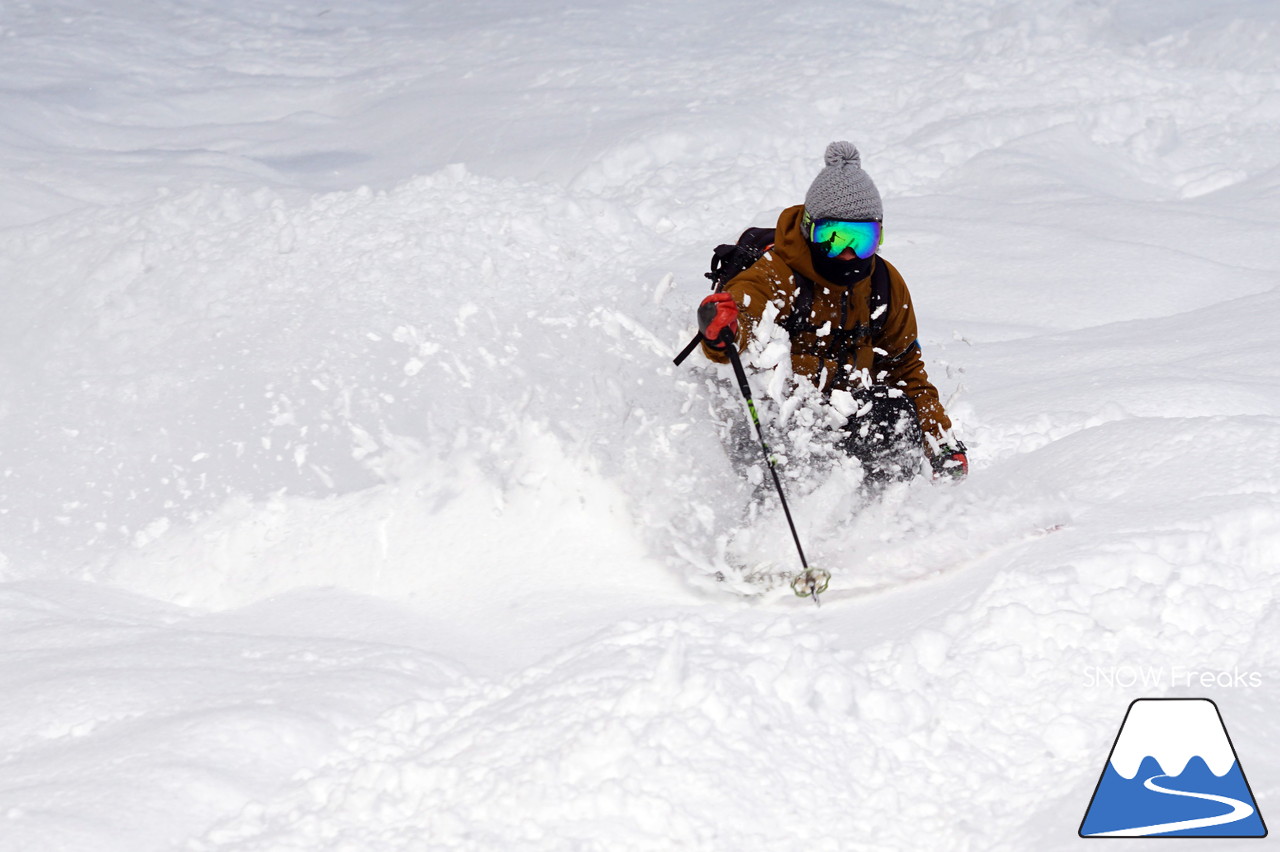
350, 499
1172, 732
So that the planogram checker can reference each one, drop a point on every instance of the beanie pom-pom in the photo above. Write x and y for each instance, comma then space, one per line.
843, 154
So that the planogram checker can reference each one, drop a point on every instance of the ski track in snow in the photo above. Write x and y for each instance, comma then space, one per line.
351, 501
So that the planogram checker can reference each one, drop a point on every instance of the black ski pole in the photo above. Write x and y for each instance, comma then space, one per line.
811, 581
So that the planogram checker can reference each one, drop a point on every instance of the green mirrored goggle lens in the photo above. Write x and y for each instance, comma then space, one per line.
837, 235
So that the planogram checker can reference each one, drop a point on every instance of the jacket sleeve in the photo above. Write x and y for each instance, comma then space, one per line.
752, 290
898, 362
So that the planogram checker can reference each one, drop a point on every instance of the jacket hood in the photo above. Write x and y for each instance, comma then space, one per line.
792, 247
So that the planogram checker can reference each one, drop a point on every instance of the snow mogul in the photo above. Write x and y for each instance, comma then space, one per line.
849, 317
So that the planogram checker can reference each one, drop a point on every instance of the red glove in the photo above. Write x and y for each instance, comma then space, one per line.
717, 314
950, 461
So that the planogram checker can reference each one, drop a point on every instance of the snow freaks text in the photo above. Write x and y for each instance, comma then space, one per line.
1127, 676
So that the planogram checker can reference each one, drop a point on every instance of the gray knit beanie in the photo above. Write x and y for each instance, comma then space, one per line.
843, 190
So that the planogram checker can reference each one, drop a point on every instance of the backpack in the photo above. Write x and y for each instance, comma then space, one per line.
729, 261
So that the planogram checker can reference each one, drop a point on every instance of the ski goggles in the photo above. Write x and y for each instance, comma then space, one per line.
836, 235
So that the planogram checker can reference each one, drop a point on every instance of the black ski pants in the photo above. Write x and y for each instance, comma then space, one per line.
884, 435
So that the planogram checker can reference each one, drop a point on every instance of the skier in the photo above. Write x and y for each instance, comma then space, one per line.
824, 259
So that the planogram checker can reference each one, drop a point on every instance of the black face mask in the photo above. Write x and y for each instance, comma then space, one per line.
842, 272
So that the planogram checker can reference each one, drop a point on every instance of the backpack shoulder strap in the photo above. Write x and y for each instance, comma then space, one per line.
879, 299
880, 304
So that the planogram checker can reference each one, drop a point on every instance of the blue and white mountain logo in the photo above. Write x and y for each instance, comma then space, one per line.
1173, 772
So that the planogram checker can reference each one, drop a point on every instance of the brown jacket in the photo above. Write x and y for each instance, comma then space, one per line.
891, 358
